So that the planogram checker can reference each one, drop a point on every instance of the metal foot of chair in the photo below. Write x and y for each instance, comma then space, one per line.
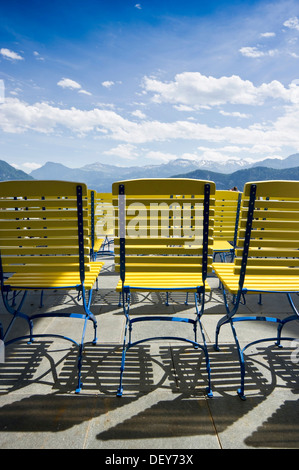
241, 394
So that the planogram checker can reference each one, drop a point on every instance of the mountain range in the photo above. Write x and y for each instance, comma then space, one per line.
9, 173
100, 176
240, 177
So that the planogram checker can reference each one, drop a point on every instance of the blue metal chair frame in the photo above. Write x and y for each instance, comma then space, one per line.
16, 311
229, 317
199, 298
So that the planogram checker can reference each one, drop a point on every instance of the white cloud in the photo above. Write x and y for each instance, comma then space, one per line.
255, 53
126, 151
38, 56
84, 92
251, 52
215, 155
139, 114
2, 91
272, 52
162, 157
27, 166
195, 90
17, 116
106, 105
268, 35
138, 6
235, 149
184, 107
72, 85
68, 83
292, 23
8, 54
108, 84
235, 114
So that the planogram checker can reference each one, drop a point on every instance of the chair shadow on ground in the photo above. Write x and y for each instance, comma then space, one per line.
174, 376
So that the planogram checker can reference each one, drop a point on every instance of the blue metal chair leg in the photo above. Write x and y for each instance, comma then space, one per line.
17, 313
220, 323
128, 344
286, 320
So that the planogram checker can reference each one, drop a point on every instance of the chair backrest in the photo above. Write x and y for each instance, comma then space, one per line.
91, 219
44, 227
268, 236
104, 215
227, 206
164, 225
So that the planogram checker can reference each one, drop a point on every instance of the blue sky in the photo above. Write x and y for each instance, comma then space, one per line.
126, 83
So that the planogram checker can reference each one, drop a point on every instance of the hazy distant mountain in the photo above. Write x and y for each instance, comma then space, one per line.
289, 162
100, 176
240, 177
165, 169
57, 171
9, 173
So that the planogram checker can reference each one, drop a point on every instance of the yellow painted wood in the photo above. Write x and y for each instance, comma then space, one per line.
164, 251
222, 245
226, 204
262, 282
35, 223
167, 282
275, 189
39, 234
54, 280
273, 256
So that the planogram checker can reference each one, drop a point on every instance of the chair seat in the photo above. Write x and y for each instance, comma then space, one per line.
54, 280
222, 245
98, 243
255, 283
166, 281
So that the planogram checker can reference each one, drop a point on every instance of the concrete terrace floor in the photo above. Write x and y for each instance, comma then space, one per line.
164, 405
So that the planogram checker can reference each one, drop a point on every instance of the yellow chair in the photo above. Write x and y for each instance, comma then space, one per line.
164, 242
266, 259
227, 207
44, 244
95, 240
103, 224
